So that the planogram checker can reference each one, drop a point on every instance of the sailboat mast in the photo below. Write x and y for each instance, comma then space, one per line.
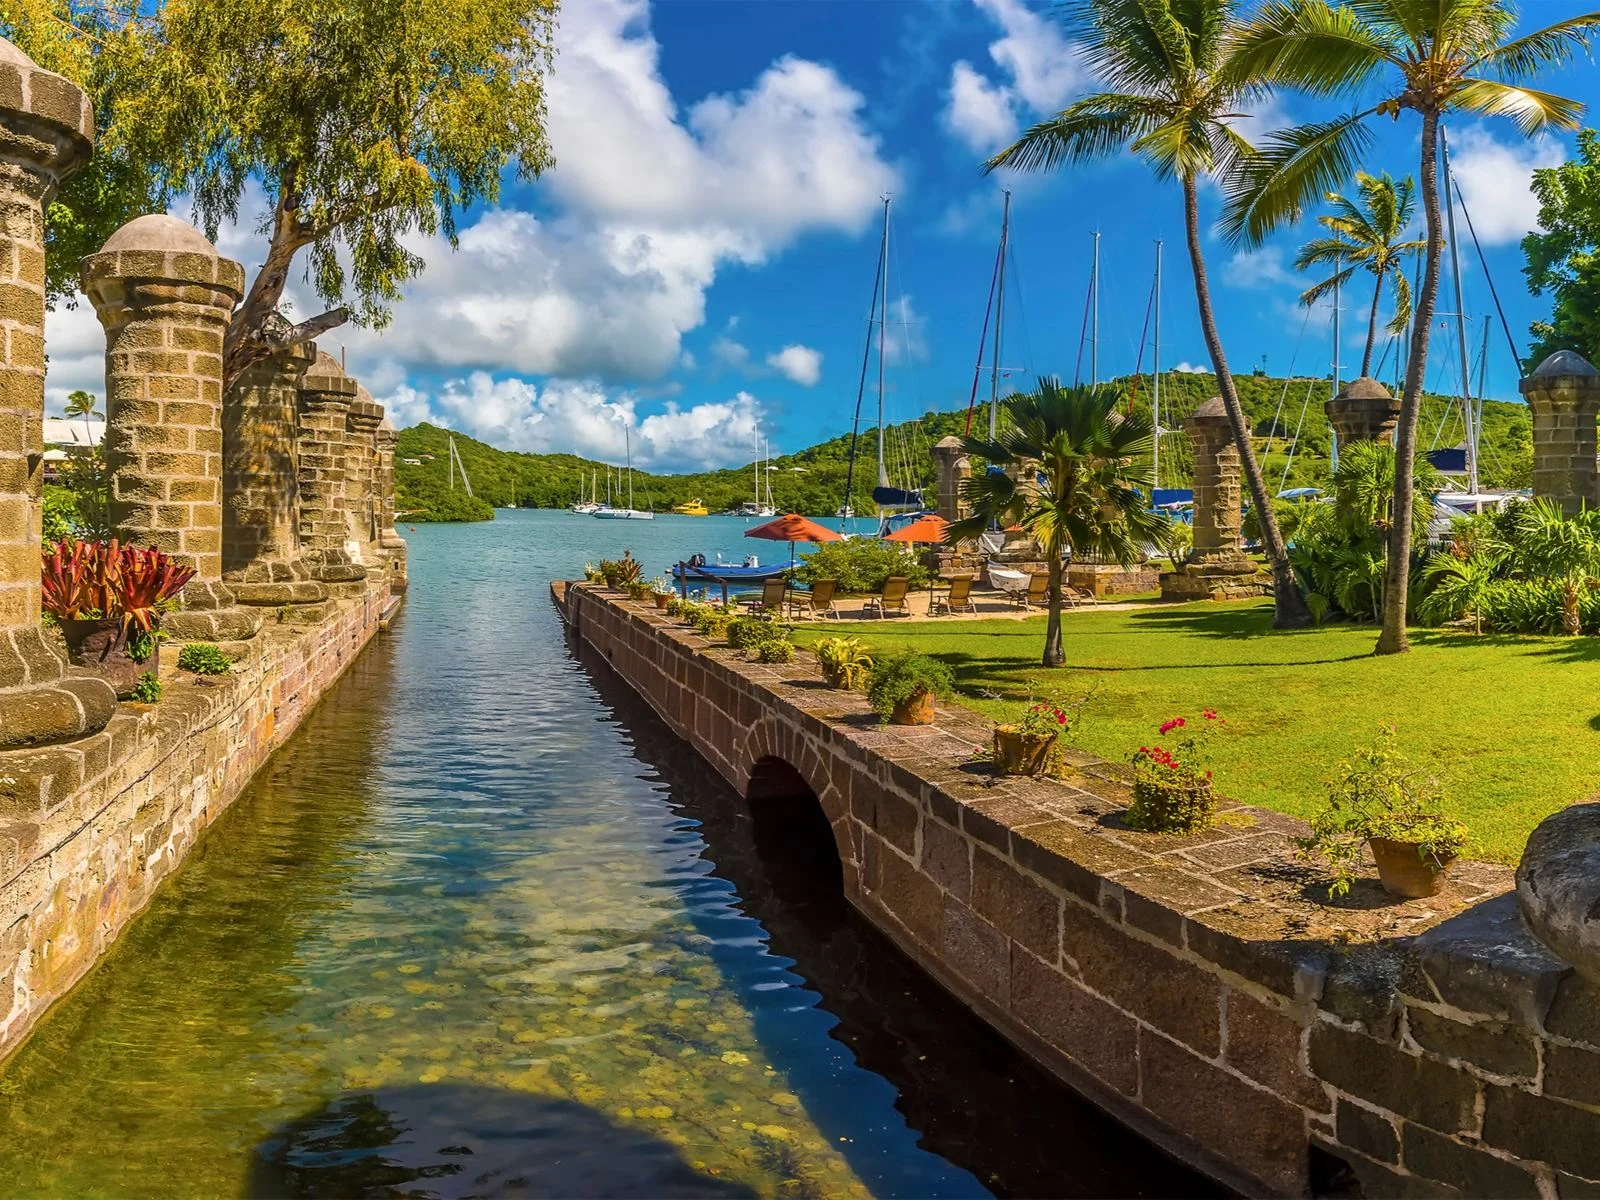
1094, 329
883, 326
1333, 434
1468, 415
1155, 371
627, 449
999, 308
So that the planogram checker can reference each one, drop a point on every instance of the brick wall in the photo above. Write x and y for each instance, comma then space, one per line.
89, 830
1197, 987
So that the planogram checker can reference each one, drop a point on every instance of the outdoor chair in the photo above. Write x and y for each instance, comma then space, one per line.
1079, 595
1038, 593
773, 594
958, 597
893, 598
816, 603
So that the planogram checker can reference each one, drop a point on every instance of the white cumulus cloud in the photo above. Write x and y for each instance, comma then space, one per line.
1496, 179
1037, 71
979, 112
800, 364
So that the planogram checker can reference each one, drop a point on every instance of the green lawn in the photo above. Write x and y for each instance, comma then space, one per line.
1510, 725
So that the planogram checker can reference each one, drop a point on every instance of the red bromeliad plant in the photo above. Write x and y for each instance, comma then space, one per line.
102, 580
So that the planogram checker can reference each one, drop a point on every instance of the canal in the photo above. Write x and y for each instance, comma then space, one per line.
486, 928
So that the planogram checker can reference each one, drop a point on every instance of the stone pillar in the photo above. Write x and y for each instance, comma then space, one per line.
326, 394
1217, 569
391, 546
360, 474
261, 486
46, 132
165, 295
1363, 411
954, 467
1563, 394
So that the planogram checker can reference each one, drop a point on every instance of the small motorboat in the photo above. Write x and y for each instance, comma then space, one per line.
693, 508
749, 570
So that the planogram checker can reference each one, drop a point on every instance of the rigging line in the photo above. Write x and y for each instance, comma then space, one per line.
1083, 332
1138, 362
861, 389
983, 340
1493, 292
1299, 425
1022, 312
1294, 357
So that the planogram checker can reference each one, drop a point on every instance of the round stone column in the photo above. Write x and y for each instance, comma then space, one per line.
165, 295
391, 546
326, 394
1563, 395
1363, 411
953, 466
1217, 569
360, 472
46, 132
261, 486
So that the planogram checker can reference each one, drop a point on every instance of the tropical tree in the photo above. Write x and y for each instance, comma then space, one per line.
1562, 549
1564, 253
1432, 57
364, 122
1369, 234
82, 404
1459, 587
1069, 478
1172, 102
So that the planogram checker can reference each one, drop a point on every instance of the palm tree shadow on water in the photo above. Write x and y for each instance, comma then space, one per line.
971, 1096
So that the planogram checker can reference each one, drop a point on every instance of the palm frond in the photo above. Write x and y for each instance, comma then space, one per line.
1311, 45
1293, 168
1402, 300
1552, 46
1339, 279
1180, 147
1465, 29
1533, 111
1093, 128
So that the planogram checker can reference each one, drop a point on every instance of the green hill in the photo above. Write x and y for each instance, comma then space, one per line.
813, 480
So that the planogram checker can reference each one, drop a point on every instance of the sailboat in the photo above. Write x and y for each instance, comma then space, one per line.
591, 505
761, 506
630, 513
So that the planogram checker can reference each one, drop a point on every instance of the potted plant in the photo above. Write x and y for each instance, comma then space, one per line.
844, 661
1171, 782
903, 687
661, 592
106, 598
1378, 801
1026, 745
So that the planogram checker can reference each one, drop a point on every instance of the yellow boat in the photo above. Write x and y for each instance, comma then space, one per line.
692, 509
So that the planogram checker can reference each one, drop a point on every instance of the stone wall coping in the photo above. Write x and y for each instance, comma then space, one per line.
28, 88
192, 267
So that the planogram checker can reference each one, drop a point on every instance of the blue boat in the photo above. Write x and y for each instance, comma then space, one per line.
727, 573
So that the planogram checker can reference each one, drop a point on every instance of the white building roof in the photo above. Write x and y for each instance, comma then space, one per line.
58, 431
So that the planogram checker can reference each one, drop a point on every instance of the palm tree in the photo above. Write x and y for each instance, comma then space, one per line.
1366, 234
1074, 484
81, 404
1563, 549
1434, 57
1173, 102
1458, 587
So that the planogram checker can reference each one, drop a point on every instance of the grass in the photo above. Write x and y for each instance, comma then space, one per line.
1510, 725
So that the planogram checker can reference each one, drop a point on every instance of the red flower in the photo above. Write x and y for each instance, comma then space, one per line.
1175, 723
1061, 718
1210, 714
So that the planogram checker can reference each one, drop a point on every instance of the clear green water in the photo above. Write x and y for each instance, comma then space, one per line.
486, 928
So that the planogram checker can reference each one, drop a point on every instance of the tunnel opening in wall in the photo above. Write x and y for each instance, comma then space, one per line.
793, 838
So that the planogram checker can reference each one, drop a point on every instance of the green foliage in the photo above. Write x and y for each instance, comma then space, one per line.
896, 678
621, 572
774, 650
711, 622
844, 661
142, 644
80, 505
61, 518
203, 658
147, 688
1564, 254
861, 564
1564, 550
1377, 794
748, 632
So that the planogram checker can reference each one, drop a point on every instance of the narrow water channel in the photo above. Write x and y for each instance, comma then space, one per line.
486, 928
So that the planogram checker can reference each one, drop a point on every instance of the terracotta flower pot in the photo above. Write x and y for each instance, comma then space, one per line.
1018, 753
661, 600
915, 709
1162, 807
1404, 871
102, 644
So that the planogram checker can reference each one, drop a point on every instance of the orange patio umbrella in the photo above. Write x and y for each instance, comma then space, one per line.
930, 530
792, 528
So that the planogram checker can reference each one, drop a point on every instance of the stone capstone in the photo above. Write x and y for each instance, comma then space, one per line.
1558, 886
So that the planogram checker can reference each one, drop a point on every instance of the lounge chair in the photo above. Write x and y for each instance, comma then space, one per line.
773, 594
893, 598
1078, 595
818, 602
1038, 593
958, 597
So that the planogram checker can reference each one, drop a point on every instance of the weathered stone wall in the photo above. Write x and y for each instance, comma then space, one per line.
1197, 987
1563, 395
89, 830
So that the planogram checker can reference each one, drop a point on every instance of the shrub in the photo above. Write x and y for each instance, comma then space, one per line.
712, 622
203, 658
661, 586
861, 564
747, 632
147, 689
1377, 794
1171, 781
844, 661
675, 606
773, 650
619, 572
899, 677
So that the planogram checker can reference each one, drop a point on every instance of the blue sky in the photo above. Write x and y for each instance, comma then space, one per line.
700, 259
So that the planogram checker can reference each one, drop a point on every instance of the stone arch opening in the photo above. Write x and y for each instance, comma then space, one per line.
793, 838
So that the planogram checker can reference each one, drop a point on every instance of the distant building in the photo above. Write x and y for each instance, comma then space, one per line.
413, 462
61, 434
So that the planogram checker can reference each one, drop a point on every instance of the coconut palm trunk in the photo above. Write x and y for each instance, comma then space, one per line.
1289, 606
1372, 327
1392, 639
1055, 654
